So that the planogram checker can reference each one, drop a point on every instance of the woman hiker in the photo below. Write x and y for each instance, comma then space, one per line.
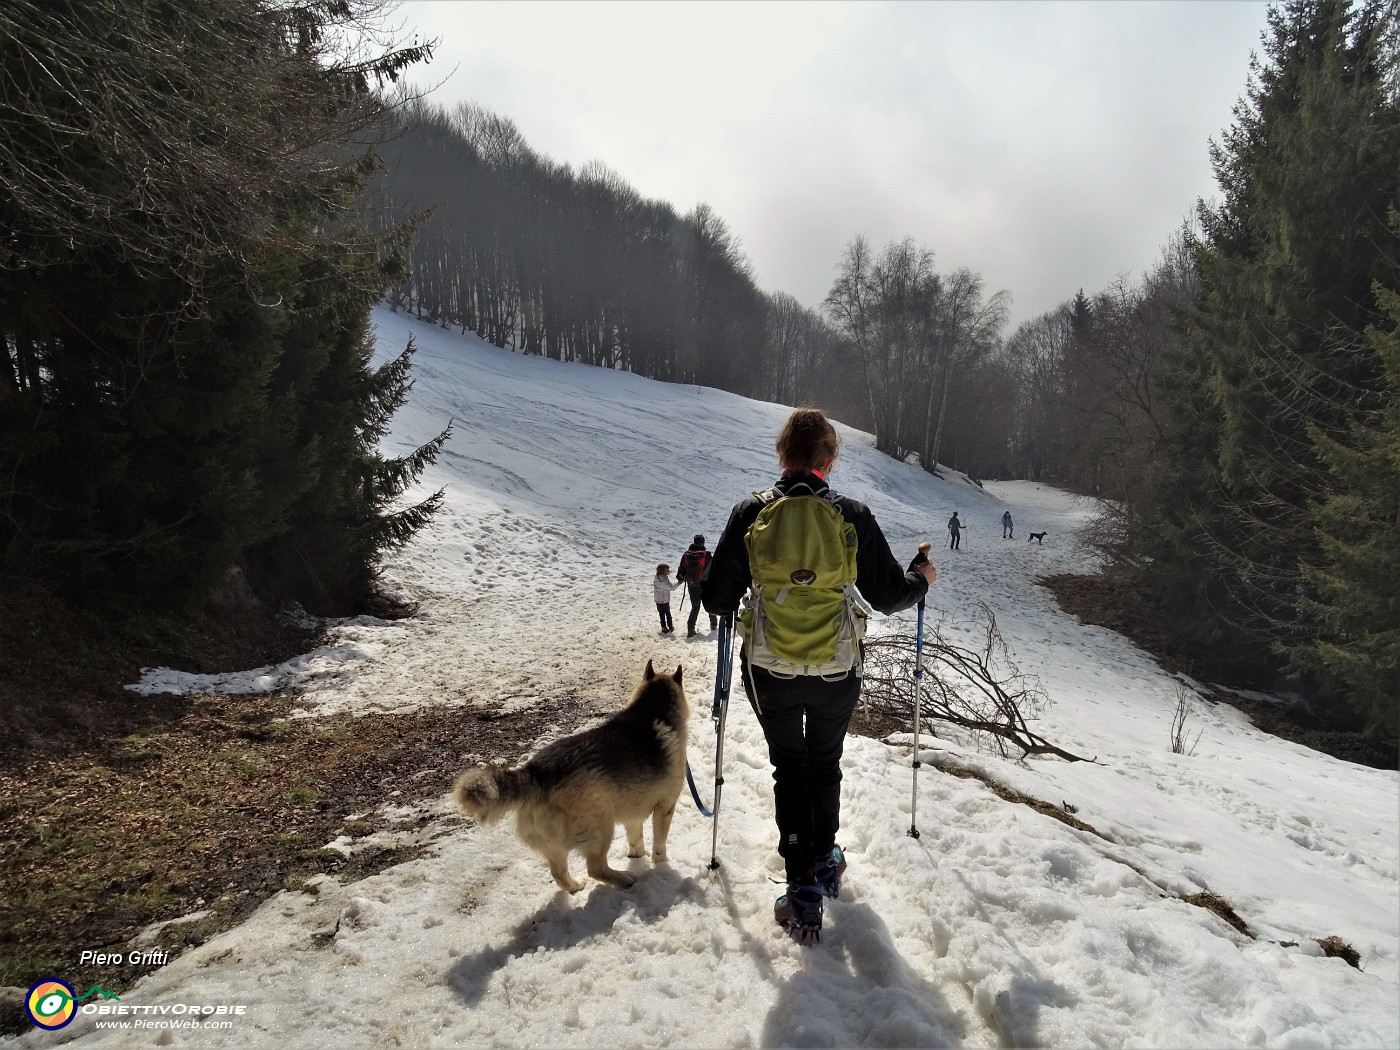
804, 715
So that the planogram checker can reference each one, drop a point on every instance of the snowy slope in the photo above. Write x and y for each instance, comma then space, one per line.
566, 485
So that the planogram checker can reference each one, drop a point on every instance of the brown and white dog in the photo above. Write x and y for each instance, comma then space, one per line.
574, 792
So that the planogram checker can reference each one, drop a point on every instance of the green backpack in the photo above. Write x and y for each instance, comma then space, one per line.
803, 615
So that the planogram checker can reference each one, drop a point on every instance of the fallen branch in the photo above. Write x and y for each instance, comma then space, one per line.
980, 690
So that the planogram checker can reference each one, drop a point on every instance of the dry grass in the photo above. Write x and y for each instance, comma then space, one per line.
1217, 905
1336, 948
217, 809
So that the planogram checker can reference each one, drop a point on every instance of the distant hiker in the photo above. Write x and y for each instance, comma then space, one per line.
1007, 529
809, 560
955, 528
691, 572
661, 589
921, 559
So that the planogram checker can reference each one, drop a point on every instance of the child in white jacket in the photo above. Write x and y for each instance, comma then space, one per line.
661, 589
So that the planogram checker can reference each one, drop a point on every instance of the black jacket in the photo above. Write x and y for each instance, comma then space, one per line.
880, 580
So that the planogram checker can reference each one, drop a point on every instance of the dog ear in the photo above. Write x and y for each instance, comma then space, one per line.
677, 675
648, 674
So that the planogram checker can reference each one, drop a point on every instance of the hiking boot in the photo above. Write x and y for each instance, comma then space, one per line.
799, 912
827, 872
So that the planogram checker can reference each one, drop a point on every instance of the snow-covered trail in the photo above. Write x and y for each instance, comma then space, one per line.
997, 927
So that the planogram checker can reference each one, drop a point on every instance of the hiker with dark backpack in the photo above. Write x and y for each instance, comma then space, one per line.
691, 572
808, 560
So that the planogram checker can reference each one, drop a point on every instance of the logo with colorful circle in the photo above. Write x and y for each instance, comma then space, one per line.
51, 1003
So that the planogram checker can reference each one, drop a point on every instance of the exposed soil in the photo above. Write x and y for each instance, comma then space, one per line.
877, 723
119, 811
62, 668
216, 809
1104, 602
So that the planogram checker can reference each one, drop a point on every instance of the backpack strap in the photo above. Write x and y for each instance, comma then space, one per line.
802, 488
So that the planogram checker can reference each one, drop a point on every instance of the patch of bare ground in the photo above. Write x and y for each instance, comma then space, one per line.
1336, 948
1221, 908
876, 723
1107, 602
167, 807
62, 668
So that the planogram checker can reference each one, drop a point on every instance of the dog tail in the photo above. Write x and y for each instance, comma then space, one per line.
489, 794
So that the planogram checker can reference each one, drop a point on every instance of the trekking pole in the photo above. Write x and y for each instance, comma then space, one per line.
723, 670
918, 695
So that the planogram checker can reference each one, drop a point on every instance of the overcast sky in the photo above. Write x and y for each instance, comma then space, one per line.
1048, 146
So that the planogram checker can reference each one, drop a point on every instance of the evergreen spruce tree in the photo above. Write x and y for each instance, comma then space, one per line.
1355, 585
344, 515
1286, 264
185, 386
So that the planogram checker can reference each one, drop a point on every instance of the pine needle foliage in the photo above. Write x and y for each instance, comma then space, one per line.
1275, 370
186, 382
1355, 584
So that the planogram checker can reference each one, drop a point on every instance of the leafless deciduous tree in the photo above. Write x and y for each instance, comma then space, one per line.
572, 265
1182, 741
965, 327
916, 333
1035, 354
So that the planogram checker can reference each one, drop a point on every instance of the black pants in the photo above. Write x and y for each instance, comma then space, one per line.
664, 612
804, 720
956, 538
693, 589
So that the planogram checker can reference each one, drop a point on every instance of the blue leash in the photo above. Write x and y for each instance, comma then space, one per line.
695, 794
723, 670
724, 667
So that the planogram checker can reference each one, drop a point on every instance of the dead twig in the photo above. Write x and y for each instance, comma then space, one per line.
980, 690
